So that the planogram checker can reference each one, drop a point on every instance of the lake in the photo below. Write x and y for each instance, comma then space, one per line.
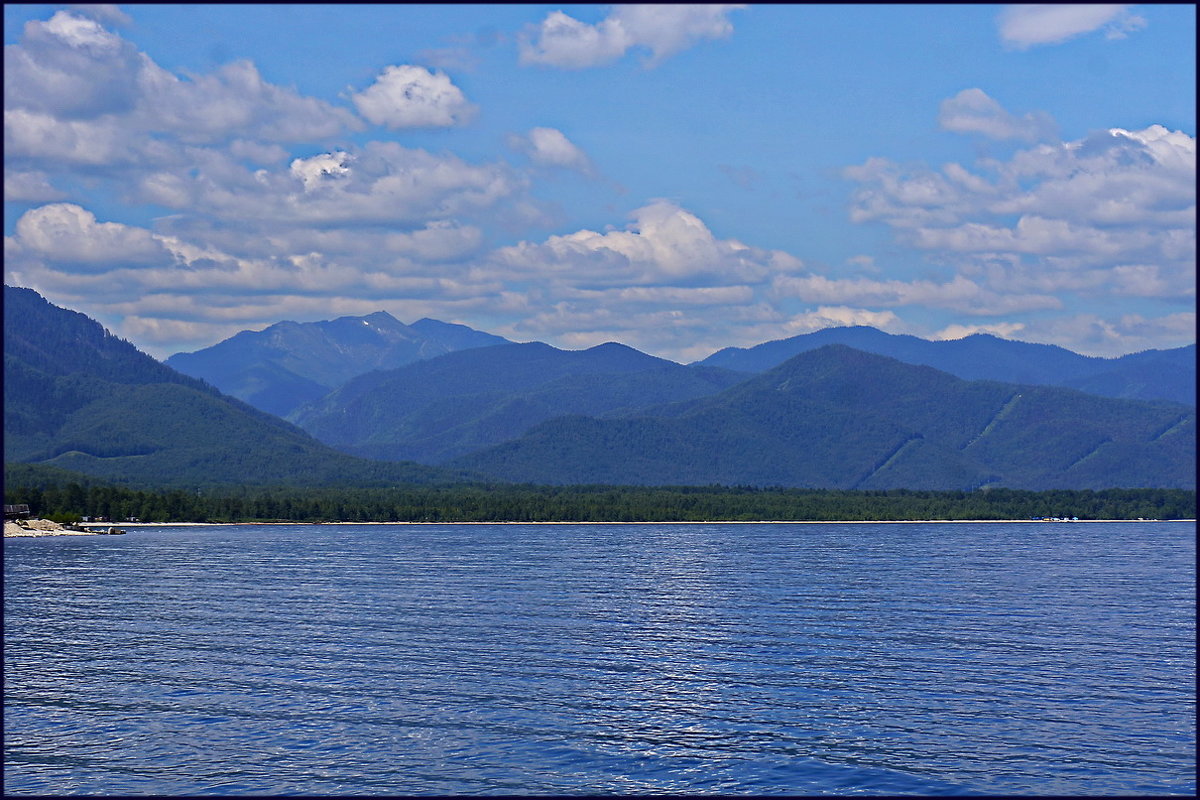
939, 658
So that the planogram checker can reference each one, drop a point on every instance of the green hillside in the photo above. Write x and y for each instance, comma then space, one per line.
445, 407
841, 418
1149, 375
79, 398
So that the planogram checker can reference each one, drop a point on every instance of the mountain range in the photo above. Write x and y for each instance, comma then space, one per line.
78, 398
842, 418
1149, 375
830, 416
291, 365
282, 367
434, 410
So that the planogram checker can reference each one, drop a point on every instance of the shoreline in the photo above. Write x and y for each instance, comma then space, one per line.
654, 522
38, 528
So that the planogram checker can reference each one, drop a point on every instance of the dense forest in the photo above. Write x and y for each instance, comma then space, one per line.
73, 500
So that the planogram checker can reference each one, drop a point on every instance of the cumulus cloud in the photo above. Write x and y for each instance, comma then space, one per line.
71, 67
1024, 26
563, 41
381, 182
70, 71
550, 147
408, 96
972, 111
69, 234
1085, 215
665, 243
318, 170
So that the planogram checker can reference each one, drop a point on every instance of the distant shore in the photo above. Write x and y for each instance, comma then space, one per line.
38, 528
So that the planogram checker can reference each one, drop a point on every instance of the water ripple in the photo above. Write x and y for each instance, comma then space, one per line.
522, 659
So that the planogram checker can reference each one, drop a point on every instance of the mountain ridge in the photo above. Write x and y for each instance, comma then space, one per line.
79, 398
436, 409
288, 364
1145, 375
841, 418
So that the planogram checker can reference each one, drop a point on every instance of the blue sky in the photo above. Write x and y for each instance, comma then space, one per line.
677, 178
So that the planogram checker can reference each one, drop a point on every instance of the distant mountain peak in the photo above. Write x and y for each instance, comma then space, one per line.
612, 347
291, 363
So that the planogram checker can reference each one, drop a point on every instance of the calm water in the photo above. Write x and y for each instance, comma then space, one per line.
471, 659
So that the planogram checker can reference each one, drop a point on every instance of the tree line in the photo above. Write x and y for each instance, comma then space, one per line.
72, 501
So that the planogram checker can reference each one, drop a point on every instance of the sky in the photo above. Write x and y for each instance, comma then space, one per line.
678, 178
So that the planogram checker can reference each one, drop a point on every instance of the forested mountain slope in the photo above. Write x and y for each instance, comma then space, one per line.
1150, 375
434, 410
79, 398
842, 418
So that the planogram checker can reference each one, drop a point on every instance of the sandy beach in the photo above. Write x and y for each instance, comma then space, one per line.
41, 527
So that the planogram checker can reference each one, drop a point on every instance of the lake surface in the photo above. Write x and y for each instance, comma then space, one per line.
497, 659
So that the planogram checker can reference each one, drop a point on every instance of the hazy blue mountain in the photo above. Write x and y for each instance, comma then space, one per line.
433, 410
282, 367
452, 336
78, 398
836, 417
1153, 375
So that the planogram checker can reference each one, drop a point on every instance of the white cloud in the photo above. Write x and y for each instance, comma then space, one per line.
233, 102
1024, 26
407, 96
1004, 330
381, 182
71, 67
70, 72
53, 142
665, 243
1093, 335
1065, 215
104, 12
672, 295
863, 264
563, 41
320, 169
29, 187
958, 294
438, 241
972, 111
549, 147
68, 234
841, 317
257, 152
